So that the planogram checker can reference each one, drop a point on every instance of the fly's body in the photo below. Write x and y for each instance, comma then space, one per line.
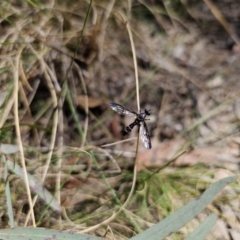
139, 121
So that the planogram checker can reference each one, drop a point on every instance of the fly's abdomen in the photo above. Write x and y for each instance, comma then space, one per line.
129, 128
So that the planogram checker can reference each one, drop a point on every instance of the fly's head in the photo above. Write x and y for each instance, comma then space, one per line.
147, 112
142, 116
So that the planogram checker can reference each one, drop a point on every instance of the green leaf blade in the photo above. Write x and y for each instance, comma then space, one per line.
184, 214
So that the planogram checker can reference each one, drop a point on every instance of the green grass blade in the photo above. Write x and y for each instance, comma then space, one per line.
8, 195
8, 148
36, 186
184, 214
203, 229
42, 234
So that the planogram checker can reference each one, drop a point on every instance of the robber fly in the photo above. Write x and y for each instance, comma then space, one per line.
139, 120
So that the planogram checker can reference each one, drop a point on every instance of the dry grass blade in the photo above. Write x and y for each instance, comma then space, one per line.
217, 13
19, 138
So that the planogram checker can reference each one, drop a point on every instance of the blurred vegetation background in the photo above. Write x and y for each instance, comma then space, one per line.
62, 62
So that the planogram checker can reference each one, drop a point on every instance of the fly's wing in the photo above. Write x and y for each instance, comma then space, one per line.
121, 110
144, 135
